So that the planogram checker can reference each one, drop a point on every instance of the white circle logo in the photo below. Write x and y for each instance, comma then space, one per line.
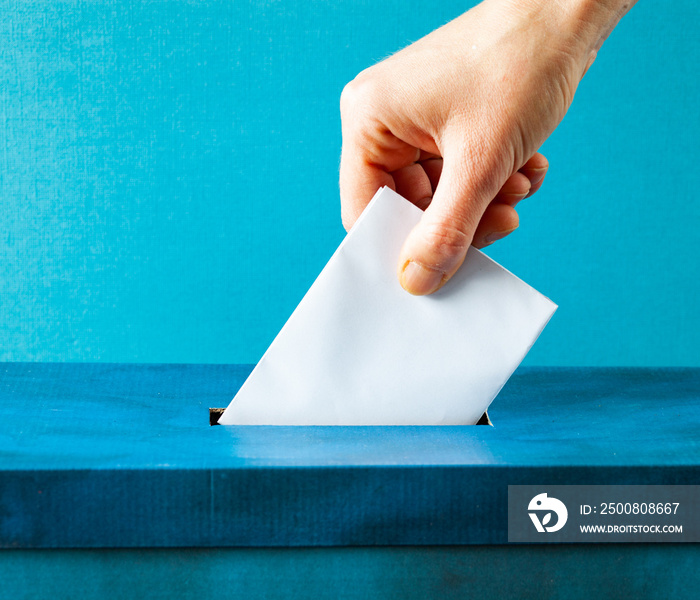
541, 509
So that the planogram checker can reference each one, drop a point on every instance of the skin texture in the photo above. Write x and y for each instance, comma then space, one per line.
453, 123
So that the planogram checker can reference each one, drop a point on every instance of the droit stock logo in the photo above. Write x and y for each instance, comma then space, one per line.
541, 509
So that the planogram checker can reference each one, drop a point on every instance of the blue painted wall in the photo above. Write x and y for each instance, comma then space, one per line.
168, 179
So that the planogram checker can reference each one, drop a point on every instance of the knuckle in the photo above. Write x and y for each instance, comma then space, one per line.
348, 95
359, 92
446, 240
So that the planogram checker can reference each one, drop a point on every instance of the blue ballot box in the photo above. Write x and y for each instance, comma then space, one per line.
114, 484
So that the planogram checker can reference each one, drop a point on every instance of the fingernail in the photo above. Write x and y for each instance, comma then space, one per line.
419, 280
497, 235
513, 199
537, 175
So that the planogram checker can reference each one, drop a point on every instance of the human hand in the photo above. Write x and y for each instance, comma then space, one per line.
453, 123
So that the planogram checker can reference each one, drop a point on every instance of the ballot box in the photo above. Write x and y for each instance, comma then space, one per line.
113, 483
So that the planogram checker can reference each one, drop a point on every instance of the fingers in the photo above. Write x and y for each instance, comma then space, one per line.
521, 184
525, 182
457, 216
358, 183
535, 170
499, 218
516, 187
413, 183
370, 151
436, 247
498, 221
433, 169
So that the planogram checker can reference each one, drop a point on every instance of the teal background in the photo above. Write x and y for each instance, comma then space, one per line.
168, 179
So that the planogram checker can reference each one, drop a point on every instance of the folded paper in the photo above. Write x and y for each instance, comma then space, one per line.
359, 350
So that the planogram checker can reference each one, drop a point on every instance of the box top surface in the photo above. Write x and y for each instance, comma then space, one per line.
104, 416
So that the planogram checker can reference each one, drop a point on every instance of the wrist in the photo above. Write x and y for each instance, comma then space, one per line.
594, 20
582, 25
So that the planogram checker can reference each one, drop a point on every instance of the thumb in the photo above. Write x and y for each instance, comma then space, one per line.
437, 246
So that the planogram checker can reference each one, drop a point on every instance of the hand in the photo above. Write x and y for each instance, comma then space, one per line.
453, 123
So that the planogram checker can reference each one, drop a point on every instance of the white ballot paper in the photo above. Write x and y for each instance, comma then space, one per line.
359, 350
